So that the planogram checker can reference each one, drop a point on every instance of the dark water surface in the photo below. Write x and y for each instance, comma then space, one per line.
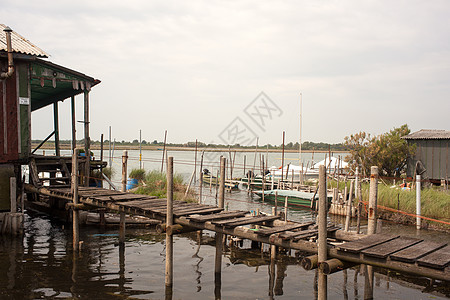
42, 266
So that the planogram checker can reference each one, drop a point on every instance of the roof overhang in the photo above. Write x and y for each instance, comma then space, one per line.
51, 83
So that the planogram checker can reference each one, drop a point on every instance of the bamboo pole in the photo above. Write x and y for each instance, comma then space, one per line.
140, 149
201, 178
74, 130
282, 160
219, 235
87, 139
101, 158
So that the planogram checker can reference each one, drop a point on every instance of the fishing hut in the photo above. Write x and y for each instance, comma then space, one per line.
29, 82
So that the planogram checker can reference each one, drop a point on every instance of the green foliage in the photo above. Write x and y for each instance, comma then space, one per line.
434, 202
388, 151
155, 184
138, 174
108, 172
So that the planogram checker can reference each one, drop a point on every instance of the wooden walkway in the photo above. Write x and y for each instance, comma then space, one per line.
398, 253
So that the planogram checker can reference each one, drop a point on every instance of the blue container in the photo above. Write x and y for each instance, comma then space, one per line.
132, 183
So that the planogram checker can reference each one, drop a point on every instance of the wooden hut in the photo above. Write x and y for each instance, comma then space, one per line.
29, 82
432, 158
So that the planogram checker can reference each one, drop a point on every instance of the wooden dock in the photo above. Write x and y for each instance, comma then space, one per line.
409, 255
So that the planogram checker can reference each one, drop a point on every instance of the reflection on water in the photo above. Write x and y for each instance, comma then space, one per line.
42, 265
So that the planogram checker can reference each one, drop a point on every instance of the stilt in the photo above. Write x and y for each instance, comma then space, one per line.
124, 170
322, 238
75, 224
169, 237
372, 214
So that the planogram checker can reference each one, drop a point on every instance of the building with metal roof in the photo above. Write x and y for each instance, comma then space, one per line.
432, 157
29, 82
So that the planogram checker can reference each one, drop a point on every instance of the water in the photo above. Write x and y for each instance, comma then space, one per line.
42, 264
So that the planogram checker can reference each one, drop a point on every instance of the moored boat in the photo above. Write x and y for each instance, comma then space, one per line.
299, 198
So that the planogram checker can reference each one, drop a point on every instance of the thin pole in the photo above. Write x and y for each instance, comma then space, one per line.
372, 217
349, 206
75, 224
300, 139
87, 142
56, 125
74, 128
164, 151
282, 160
101, 158
201, 178
223, 164
124, 170
195, 161
110, 149
418, 204
322, 239
169, 222
140, 149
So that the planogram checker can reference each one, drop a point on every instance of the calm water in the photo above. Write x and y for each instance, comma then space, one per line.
42, 265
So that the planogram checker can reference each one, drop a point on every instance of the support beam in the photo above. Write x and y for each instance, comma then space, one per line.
87, 139
169, 222
74, 127
322, 238
56, 127
75, 214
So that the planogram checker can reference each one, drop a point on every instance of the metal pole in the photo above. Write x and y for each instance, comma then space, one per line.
169, 222
372, 217
322, 238
124, 170
75, 224
418, 204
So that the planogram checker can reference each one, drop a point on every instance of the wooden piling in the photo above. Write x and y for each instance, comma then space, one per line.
13, 193
87, 139
372, 211
322, 238
124, 170
164, 151
223, 164
219, 235
169, 222
74, 187
418, 201
122, 228
349, 207
282, 159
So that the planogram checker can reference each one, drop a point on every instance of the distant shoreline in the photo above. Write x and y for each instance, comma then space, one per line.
199, 149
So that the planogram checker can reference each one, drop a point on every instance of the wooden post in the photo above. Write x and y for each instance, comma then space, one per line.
223, 166
195, 161
244, 165
276, 202
164, 151
74, 128
124, 170
418, 204
201, 179
56, 127
101, 160
13, 193
87, 141
322, 238
169, 222
349, 207
285, 209
372, 215
75, 224
140, 149
122, 228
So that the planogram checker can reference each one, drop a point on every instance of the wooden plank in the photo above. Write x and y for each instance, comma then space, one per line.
277, 229
411, 254
438, 259
364, 243
156, 202
219, 216
211, 209
245, 221
187, 207
383, 250
126, 197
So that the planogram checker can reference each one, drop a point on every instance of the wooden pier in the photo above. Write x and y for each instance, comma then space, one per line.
402, 254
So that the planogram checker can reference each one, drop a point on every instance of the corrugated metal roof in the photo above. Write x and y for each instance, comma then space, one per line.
20, 44
428, 134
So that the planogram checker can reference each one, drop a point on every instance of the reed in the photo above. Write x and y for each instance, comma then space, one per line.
155, 184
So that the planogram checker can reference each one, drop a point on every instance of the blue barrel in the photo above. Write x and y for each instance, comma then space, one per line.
132, 183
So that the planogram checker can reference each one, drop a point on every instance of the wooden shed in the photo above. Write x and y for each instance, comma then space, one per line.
432, 158
28, 83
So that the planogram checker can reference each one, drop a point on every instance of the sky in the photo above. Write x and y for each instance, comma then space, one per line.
232, 71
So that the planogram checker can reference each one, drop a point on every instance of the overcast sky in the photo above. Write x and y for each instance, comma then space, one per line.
196, 68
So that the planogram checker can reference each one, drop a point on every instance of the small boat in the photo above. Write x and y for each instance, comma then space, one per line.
208, 179
298, 198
